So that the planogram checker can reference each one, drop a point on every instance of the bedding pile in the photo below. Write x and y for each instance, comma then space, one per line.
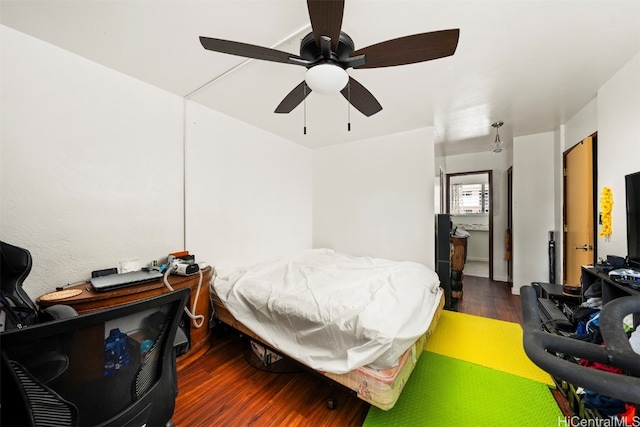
330, 311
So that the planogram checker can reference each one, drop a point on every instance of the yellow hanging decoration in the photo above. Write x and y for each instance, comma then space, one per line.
606, 206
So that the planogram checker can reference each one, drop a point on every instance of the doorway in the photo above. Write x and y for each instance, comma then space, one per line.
580, 178
469, 202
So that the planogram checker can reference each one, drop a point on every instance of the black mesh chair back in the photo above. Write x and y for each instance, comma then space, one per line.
42, 406
114, 367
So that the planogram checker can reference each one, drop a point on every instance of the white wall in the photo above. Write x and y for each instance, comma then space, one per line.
618, 147
249, 192
92, 172
614, 115
533, 207
558, 194
497, 163
88, 157
375, 197
581, 125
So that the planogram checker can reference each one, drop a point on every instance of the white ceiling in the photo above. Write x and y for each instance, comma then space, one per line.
531, 64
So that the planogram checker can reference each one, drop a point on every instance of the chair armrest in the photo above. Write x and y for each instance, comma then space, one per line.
57, 312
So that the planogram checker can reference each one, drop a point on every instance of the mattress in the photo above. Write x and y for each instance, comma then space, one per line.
382, 387
330, 311
379, 387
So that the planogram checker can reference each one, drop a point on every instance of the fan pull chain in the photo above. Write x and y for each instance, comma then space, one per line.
304, 107
349, 107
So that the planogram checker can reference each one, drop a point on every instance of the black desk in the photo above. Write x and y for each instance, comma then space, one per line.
553, 291
610, 289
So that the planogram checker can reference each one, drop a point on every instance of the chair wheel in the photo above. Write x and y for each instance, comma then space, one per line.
331, 403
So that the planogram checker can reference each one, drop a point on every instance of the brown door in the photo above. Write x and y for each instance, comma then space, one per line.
579, 234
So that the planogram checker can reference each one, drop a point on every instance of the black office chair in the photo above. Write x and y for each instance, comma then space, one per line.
114, 367
15, 266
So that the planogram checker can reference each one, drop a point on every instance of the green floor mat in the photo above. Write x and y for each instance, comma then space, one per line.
443, 391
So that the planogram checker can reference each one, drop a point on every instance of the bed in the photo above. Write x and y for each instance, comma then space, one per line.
361, 322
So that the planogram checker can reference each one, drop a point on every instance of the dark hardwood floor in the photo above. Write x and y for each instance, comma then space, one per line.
482, 297
222, 388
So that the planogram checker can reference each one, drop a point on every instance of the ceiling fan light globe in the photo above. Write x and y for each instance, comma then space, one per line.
326, 78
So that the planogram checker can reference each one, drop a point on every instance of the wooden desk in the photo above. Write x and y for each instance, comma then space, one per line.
90, 300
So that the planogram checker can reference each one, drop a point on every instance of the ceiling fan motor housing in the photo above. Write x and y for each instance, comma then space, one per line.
309, 50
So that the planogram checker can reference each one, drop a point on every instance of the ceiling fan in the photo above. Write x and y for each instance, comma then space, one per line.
327, 52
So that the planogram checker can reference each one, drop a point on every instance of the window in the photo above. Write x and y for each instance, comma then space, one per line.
469, 199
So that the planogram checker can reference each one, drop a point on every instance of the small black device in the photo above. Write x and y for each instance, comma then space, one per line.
604, 266
611, 263
616, 261
105, 272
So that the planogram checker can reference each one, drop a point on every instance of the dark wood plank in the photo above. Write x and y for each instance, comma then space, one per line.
486, 298
222, 388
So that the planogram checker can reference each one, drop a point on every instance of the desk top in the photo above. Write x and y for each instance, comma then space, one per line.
604, 275
84, 292
555, 290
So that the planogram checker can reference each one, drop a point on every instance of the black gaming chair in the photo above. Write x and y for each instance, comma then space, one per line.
15, 266
109, 368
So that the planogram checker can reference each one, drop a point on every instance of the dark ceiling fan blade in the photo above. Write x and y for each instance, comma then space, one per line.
326, 19
248, 50
410, 49
361, 98
294, 98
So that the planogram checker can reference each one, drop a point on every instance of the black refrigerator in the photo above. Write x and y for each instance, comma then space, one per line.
443, 255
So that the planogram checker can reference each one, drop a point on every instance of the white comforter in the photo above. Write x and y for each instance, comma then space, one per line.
331, 311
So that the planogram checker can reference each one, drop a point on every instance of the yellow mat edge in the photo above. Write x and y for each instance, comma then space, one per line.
534, 373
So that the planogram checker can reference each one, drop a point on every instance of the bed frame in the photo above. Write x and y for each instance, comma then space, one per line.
380, 388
